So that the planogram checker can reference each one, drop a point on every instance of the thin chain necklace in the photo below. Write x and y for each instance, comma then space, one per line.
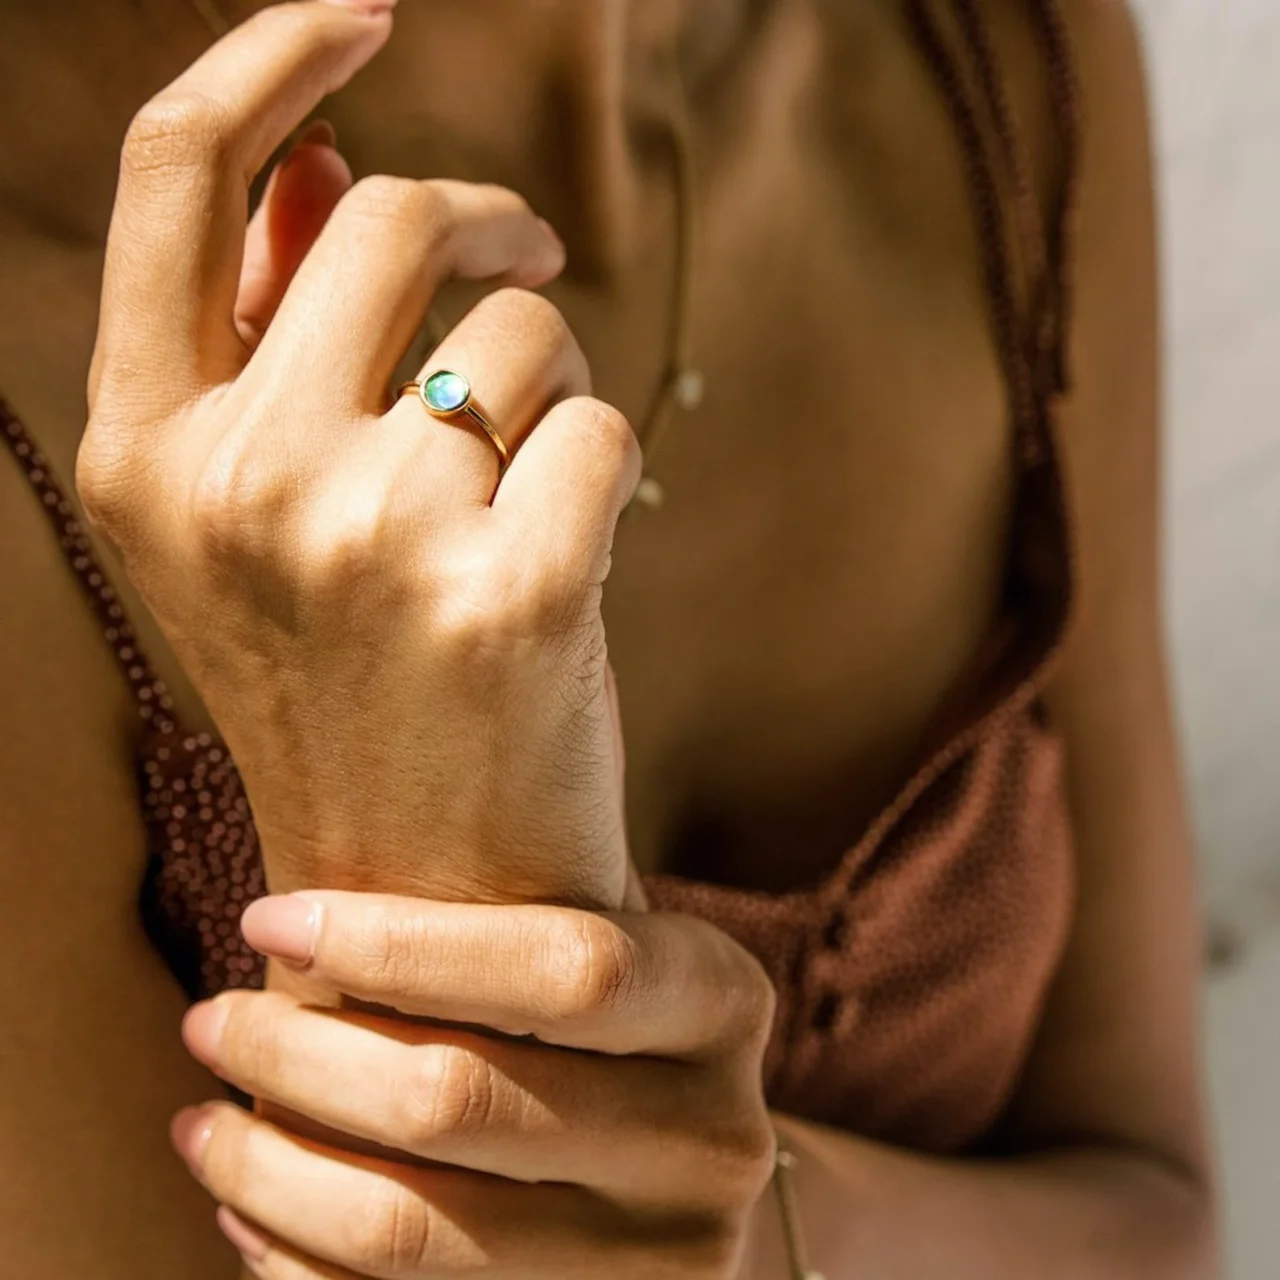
212, 17
681, 385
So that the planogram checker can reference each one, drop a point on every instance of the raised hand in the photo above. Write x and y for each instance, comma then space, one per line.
405, 657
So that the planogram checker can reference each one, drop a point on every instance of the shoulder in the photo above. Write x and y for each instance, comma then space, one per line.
1104, 29
1091, 48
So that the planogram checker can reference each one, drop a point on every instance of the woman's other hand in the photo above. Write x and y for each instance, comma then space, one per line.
409, 666
615, 1125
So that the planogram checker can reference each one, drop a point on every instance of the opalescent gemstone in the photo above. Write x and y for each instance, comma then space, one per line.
446, 392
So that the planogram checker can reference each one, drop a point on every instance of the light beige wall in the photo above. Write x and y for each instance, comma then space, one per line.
1215, 68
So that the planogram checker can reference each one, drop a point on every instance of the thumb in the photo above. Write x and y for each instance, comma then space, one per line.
301, 194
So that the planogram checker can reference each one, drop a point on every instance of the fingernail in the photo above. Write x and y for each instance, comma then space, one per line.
190, 1132
285, 928
552, 234
202, 1030
555, 254
252, 1246
319, 133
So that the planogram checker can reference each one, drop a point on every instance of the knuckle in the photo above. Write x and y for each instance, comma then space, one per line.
389, 955
225, 1160
606, 432
452, 1097
559, 606
494, 196
396, 204
709, 1246
717, 1253
249, 1044
491, 599
471, 643
238, 508
476, 199
755, 994
524, 315
321, 541
529, 320
343, 548
601, 969
478, 607
105, 480
552, 602
746, 997
380, 195
177, 130
744, 1158
732, 1147
514, 599
393, 1231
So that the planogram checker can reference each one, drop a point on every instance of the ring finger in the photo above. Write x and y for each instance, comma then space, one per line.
520, 358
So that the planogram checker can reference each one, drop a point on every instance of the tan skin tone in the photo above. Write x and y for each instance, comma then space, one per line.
1115, 1181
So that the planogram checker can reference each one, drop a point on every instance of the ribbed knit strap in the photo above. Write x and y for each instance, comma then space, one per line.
1031, 341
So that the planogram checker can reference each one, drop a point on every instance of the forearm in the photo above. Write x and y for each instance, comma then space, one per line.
1085, 1213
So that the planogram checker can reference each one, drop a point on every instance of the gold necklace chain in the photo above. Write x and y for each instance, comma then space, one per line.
212, 17
681, 385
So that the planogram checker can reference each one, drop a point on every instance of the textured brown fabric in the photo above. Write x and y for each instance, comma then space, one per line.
910, 986
910, 982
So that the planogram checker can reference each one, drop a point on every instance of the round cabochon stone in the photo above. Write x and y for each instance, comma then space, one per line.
446, 392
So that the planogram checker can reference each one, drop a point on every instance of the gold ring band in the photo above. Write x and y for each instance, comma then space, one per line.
447, 396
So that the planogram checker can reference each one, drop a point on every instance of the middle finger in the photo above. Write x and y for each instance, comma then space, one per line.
518, 353
360, 295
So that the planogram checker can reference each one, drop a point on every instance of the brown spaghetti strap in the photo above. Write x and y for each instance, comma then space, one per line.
997, 267
1049, 257
1026, 206
1064, 86
155, 706
1033, 346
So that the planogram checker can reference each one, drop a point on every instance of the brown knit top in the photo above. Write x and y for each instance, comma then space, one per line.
910, 981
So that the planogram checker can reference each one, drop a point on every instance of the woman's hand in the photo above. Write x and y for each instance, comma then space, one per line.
616, 1128
408, 666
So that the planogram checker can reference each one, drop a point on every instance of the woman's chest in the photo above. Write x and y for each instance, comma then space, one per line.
831, 549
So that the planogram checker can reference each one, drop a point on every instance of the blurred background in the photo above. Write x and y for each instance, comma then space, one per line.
1214, 68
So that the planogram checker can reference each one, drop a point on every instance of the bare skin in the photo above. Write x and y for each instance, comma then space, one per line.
869, 263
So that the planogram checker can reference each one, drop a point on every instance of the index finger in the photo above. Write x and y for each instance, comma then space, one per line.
654, 985
177, 233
